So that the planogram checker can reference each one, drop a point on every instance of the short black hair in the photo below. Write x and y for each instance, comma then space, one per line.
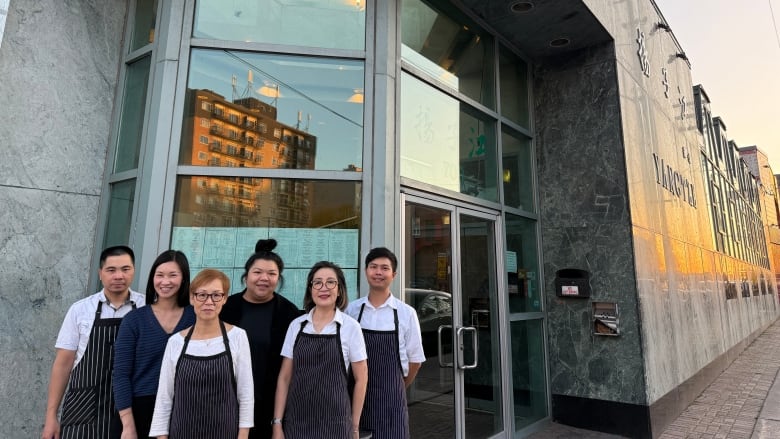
382, 252
183, 295
117, 250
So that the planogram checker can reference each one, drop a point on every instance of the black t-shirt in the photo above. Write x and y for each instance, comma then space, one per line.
265, 325
256, 321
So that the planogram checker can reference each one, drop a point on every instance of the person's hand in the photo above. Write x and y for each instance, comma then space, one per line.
51, 429
129, 433
278, 432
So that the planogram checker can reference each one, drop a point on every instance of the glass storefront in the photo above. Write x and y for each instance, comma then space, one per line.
271, 133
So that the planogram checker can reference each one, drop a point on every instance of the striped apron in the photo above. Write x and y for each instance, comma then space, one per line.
385, 412
318, 404
205, 401
88, 407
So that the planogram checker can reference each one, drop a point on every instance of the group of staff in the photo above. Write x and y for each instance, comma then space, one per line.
198, 362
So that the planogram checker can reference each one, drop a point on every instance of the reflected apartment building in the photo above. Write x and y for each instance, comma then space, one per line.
243, 133
579, 235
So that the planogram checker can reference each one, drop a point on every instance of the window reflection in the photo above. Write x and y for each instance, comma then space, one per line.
528, 372
143, 24
218, 220
207, 201
128, 148
521, 265
448, 49
517, 164
120, 213
513, 72
446, 143
329, 24
291, 112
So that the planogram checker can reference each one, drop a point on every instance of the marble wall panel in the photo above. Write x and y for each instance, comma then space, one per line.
58, 63
585, 224
45, 248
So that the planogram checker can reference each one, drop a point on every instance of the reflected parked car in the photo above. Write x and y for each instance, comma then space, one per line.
434, 309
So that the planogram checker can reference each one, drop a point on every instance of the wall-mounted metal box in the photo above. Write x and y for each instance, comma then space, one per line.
572, 282
605, 318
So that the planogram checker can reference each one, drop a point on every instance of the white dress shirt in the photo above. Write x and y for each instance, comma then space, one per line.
381, 319
75, 329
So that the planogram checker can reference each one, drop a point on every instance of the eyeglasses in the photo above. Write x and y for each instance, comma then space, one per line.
201, 296
330, 283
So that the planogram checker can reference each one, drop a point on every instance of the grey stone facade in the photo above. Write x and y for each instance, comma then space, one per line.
58, 64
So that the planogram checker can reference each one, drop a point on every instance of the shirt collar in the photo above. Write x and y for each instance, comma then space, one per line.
338, 318
390, 302
104, 299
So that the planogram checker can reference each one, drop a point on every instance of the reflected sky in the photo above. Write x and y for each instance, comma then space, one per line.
323, 96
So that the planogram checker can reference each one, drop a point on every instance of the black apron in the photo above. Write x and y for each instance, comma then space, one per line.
318, 404
205, 400
384, 413
88, 407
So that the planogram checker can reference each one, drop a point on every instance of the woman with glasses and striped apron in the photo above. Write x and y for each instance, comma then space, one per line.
312, 396
206, 389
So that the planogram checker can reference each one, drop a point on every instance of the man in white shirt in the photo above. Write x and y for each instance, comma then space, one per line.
394, 344
84, 360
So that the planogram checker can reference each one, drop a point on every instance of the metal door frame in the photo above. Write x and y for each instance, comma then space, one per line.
457, 209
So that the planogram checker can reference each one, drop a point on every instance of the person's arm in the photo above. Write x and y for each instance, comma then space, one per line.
124, 364
414, 348
245, 387
128, 424
60, 371
413, 369
163, 404
280, 399
360, 372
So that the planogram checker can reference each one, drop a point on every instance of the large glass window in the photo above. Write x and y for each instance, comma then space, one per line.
128, 146
446, 143
292, 112
517, 171
120, 213
448, 48
513, 72
522, 265
218, 220
334, 24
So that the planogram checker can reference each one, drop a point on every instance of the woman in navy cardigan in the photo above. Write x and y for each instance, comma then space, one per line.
141, 341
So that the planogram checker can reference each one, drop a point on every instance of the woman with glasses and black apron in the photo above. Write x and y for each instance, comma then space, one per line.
312, 396
206, 389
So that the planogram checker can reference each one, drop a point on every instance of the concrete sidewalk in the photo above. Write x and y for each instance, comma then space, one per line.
742, 403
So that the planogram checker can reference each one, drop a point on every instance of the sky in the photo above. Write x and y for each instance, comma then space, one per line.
734, 53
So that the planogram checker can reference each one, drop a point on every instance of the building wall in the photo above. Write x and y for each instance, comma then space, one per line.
690, 326
624, 195
585, 224
58, 64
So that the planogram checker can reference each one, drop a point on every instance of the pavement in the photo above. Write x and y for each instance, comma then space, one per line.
742, 403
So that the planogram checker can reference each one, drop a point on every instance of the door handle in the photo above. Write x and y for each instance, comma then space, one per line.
442, 364
474, 344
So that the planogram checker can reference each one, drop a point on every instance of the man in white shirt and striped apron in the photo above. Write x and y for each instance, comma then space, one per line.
85, 355
394, 345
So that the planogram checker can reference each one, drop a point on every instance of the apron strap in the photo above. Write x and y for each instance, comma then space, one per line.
362, 307
230, 355
225, 340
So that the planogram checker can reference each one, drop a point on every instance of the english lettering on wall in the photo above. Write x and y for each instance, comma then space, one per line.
674, 182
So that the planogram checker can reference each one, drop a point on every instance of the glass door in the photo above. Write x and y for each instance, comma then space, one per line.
449, 277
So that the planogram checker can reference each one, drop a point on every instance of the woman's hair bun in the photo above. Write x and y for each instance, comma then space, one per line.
265, 245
